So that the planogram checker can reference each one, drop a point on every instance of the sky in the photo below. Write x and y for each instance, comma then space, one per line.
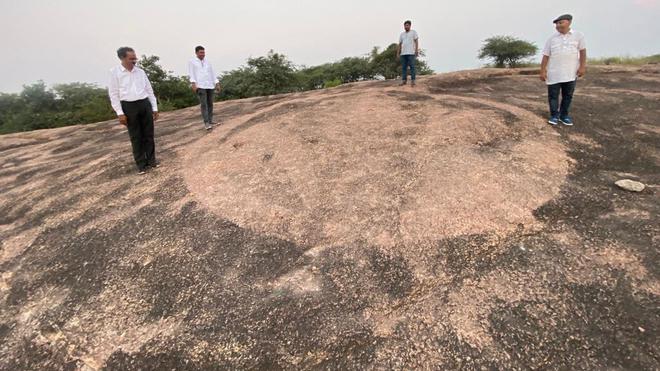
75, 40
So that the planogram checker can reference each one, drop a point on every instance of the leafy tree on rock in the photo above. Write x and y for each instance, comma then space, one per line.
173, 92
507, 50
267, 75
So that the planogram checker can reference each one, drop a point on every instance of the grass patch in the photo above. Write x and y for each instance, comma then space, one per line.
626, 60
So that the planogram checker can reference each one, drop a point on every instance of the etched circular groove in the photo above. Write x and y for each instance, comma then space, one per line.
387, 168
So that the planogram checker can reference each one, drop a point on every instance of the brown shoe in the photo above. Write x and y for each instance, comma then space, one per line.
404, 82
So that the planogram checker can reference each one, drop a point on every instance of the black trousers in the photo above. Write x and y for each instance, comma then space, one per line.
141, 131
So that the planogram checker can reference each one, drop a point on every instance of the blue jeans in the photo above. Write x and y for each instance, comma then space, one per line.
567, 89
408, 60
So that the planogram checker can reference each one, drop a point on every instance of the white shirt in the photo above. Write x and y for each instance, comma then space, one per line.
201, 73
564, 53
129, 86
407, 41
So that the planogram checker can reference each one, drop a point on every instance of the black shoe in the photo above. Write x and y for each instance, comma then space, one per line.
155, 165
142, 171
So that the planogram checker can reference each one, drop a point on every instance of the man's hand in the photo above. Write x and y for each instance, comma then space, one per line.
417, 53
123, 120
155, 116
218, 88
544, 75
194, 88
582, 71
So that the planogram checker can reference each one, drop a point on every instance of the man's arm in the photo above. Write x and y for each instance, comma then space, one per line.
191, 76
583, 63
582, 47
215, 78
398, 50
152, 98
547, 50
113, 92
417, 47
544, 67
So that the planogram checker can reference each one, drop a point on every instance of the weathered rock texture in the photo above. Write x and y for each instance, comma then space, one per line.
366, 226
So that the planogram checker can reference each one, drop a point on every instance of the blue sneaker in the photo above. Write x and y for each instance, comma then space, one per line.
553, 120
566, 121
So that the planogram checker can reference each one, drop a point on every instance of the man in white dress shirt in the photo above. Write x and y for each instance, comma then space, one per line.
408, 51
134, 101
204, 82
564, 60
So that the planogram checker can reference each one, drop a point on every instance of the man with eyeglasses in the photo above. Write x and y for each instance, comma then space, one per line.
564, 60
133, 99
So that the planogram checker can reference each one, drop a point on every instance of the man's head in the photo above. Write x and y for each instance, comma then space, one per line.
563, 23
200, 52
406, 25
127, 56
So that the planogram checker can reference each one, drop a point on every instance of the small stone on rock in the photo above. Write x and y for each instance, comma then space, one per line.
630, 185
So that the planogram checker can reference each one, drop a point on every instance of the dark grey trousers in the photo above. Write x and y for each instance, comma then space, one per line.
206, 102
141, 131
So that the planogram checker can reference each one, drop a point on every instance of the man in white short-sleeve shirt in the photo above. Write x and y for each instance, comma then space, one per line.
408, 51
564, 60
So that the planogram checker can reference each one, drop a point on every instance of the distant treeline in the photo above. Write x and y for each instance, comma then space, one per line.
275, 74
40, 107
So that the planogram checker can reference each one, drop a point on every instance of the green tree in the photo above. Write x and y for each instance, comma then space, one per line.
352, 69
80, 103
310, 78
267, 75
38, 97
273, 74
332, 74
236, 84
172, 92
154, 71
10, 106
38, 107
506, 50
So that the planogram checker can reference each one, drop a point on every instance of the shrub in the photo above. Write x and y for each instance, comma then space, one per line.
332, 83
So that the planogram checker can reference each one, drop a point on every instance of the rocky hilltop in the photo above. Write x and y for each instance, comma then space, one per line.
365, 226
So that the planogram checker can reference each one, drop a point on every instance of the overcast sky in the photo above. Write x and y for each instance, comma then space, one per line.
75, 40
